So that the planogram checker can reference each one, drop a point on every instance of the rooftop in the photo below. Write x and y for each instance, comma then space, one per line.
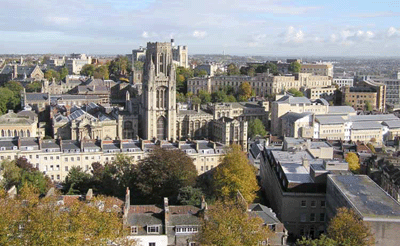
367, 197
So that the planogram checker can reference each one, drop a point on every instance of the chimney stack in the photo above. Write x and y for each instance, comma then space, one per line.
166, 214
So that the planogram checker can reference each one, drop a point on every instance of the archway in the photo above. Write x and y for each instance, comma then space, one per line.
161, 128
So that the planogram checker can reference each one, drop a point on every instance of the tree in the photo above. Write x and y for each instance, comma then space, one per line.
269, 66
234, 174
6, 96
88, 70
354, 163
295, 92
368, 106
35, 86
162, 173
200, 73
230, 98
182, 75
52, 74
229, 224
294, 67
233, 70
245, 91
190, 196
256, 127
196, 100
180, 97
138, 65
371, 147
77, 181
323, 240
218, 96
346, 228
15, 100
204, 96
101, 72
63, 73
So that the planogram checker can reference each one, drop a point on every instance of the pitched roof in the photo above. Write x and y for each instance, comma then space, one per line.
329, 120
293, 100
340, 110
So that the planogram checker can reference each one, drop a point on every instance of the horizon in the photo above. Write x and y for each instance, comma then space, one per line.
252, 28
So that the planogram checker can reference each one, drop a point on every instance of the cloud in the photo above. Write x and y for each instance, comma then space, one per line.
292, 35
199, 34
393, 32
377, 14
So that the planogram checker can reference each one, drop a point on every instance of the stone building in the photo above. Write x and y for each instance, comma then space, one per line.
75, 63
230, 131
21, 73
323, 69
21, 124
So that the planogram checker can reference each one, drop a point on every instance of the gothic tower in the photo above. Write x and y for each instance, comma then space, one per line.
159, 93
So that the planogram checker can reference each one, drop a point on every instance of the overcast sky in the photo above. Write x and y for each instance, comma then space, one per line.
247, 27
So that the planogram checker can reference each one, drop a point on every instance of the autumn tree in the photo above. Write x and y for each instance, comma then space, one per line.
228, 224
162, 173
354, 163
101, 72
234, 174
256, 127
294, 67
52, 74
346, 228
182, 75
245, 91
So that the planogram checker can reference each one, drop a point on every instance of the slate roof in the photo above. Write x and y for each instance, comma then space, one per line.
392, 123
366, 125
293, 116
264, 212
340, 110
329, 120
294, 100
371, 117
20, 69
12, 118
37, 96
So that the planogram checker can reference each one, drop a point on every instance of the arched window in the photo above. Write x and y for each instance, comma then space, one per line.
15, 133
21, 134
2, 133
28, 133
158, 98
9, 133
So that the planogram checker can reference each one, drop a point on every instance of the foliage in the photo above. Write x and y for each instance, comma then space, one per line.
219, 96
190, 196
227, 224
230, 98
88, 70
180, 97
182, 75
294, 67
101, 72
77, 181
196, 100
295, 92
46, 222
371, 147
63, 73
204, 96
368, 106
162, 173
120, 66
52, 74
269, 66
20, 172
34, 87
16, 88
249, 71
200, 73
235, 173
346, 228
256, 127
6, 96
245, 91
138, 65
323, 240
233, 69
354, 163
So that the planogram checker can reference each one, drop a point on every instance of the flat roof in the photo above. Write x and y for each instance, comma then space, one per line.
367, 197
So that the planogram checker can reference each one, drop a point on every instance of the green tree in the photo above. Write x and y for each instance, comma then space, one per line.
346, 228
35, 86
196, 100
228, 224
182, 75
120, 66
354, 163
269, 66
230, 98
294, 67
63, 73
16, 88
52, 74
204, 96
234, 174
245, 91
256, 127
190, 196
138, 65
77, 181
218, 96
88, 70
101, 72
200, 73
6, 96
233, 69
180, 97
323, 240
368, 106
295, 92
162, 173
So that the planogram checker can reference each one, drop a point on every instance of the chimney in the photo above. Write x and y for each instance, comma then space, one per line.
141, 144
166, 214
19, 142
203, 203
89, 195
40, 143
81, 143
60, 143
197, 146
15, 72
306, 163
127, 205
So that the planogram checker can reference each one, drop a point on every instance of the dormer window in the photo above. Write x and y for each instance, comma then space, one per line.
153, 229
134, 230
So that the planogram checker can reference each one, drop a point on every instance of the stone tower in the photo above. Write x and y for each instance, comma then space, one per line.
159, 93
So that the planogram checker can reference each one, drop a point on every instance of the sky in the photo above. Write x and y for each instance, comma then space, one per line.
247, 27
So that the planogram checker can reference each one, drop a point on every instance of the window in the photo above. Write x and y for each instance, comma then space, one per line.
72, 158
86, 158
313, 204
134, 230
152, 244
66, 159
153, 229
66, 168
57, 157
322, 217
45, 158
58, 176
304, 203
322, 204
303, 217
312, 217
78, 158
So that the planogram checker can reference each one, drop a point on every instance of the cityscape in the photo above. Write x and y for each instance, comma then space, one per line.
200, 132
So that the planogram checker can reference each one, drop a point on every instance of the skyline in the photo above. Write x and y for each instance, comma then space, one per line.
254, 27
